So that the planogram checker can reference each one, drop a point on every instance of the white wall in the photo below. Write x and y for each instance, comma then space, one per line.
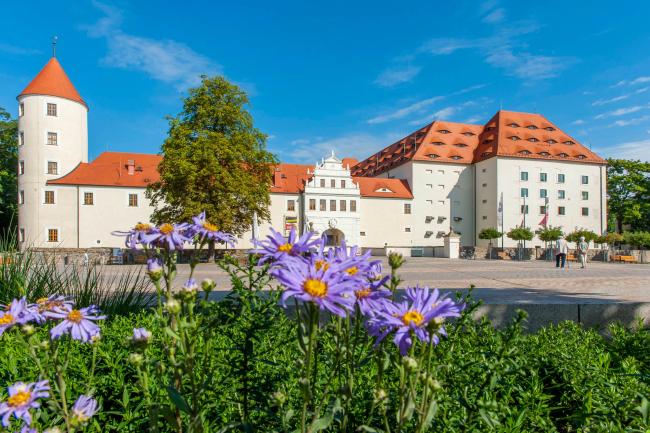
383, 222
278, 212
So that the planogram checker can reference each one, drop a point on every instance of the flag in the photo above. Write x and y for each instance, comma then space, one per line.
500, 211
544, 220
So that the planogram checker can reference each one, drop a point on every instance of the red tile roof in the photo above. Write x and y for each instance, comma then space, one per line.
373, 186
441, 141
53, 81
111, 169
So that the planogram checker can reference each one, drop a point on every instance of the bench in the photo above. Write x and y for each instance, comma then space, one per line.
503, 255
571, 258
624, 259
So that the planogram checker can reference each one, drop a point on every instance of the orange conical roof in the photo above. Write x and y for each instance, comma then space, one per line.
53, 81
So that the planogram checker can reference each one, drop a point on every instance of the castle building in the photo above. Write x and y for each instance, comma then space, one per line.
518, 169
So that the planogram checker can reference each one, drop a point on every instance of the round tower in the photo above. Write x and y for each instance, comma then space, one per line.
52, 141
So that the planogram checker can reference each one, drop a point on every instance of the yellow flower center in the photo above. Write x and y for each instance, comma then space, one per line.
412, 317
7, 319
141, 227
75, 316
363, 293
41, 301
210, 227
322, 264
286, 248
166, 228
19, 398
315, 288
352, 271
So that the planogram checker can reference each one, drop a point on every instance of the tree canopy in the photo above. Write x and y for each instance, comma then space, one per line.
489, 233
214, 160
637, 239
520, 234
549, 233
575, 235
8, 168
628, 193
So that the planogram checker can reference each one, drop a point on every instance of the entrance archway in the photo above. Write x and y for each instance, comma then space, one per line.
333, 237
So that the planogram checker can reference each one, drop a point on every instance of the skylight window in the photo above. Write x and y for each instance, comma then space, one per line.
433, 156
437, 143
549, 128
524, 152
468, 134
551, 141
456, 157
544, 154
532, 127
581, 156
515, 138
569, 142
444, 131
533, 140
513, 125
460, 145
562, 155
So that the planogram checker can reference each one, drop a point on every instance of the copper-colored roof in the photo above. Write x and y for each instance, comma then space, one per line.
535, 137
53, 81
111, 169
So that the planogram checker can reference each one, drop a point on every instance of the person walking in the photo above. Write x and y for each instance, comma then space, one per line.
583, 247
561, 250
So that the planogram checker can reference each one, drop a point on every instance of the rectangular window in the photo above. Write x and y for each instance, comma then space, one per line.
52, 139
343, 184
21, 233
543, 193
343, 205
585, 195
524, 192
51, 109
542, 210
333, 183
89, 199
484, 201
484, 217
585, 211
560, 178
291, 205
561, 210
362, 233
523, 175
407, 229
484, 185
407, 208
543, 177
21, 197
52, 167
21, 167
332, 205
133, 200
584, 180
52, 235
21, 109
323, 205
483, 170
49, 197
21, 138
312, 204
524, 209
561, 194
322, 183
353, 205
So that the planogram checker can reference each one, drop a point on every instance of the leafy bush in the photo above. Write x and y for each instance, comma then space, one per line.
575, 235
637, 239
549, 234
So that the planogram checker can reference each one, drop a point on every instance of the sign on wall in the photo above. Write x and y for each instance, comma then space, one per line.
289, 223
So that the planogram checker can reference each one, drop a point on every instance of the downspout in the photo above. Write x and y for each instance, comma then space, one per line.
78, 217
601, 201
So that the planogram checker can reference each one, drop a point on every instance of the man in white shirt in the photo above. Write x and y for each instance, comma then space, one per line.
561, 250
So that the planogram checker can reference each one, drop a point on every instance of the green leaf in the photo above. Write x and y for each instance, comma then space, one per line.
178, 399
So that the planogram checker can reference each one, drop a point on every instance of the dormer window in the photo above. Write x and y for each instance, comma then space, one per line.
468, 134
524, 152
562, 155
531, 127
515, 138
550, 141
549, 128
444, 131
569, 142
433, 156
533, 140
456, 157
513, 125
460, 145
544, 154
383, 189
485, 154
437, 143
489, 128
581, 156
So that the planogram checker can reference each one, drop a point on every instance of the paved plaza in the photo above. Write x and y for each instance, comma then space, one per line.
507, 282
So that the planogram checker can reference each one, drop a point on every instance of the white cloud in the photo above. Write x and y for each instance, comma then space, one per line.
610, 100
300, 141
469, 89
495, 17
630, 122
578, 122
473, 119
404, 111
629, 150
638, 80
164, 60
394, 76
358, 145
16, 50
620, 112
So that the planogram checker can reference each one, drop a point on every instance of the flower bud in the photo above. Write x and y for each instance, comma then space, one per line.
52, 430
95, 338
154, 269
28, 329
434, 384
395, 260
189, 290
140, 338
410, 363
208, 285
173, 306
136, 359
278, 398
380, 396
44, 345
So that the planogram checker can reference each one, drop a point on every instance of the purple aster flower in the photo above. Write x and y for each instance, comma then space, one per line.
277, 248
422, 314
51, 303
28, 429
83, 409
16, 313
368, 296
136, 235
79, 323
206, 231
140, 335
22, 398
170, 236
325, 286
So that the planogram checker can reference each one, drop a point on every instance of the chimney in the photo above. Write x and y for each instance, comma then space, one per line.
130, 165
277, 178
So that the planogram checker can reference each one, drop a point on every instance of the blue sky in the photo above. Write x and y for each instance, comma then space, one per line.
343, 75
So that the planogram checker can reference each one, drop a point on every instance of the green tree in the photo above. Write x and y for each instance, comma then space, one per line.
628, 192
8, 168
549, 233
575, 235
214, 160
489, 234
520, 234
637, 239
611, 239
